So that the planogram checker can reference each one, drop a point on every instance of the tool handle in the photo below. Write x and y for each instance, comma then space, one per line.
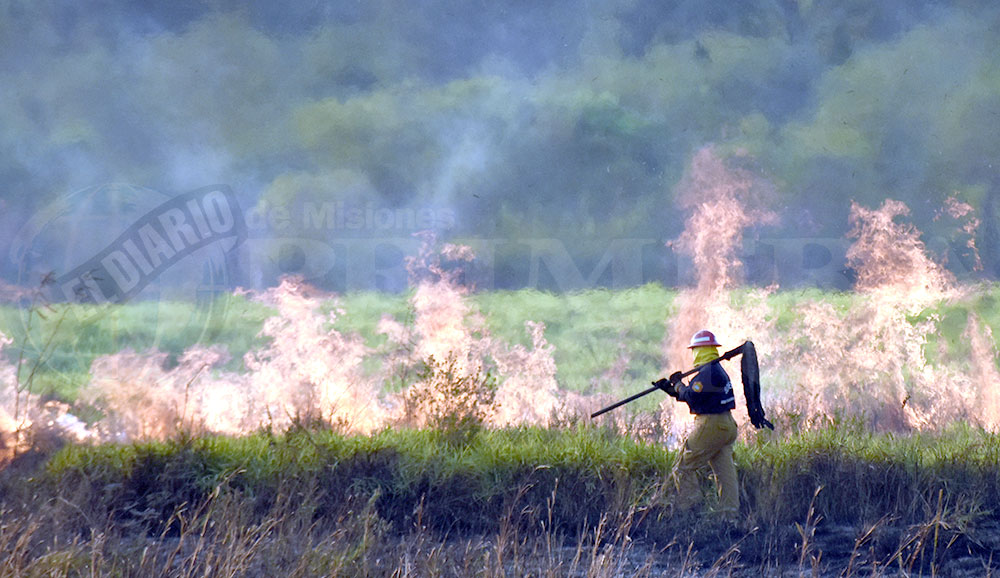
624, 401
727, 355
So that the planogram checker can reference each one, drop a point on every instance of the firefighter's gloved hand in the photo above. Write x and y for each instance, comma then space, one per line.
667, 386
675, 379
759, 421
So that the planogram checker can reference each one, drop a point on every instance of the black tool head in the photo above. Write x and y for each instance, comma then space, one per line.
751, 386
750, 369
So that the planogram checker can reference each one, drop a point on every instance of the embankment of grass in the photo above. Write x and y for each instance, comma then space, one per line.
412, 474
837, 500
842, 473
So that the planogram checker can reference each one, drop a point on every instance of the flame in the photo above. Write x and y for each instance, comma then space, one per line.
872, 359
890, 258
864, 354
309, 368
449, 330
723, 201
310, 371
868, 359
443, 320
529, 393
25, 420
983, 373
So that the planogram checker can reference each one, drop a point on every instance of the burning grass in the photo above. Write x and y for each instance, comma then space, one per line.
893, 353
573, 500
820, 351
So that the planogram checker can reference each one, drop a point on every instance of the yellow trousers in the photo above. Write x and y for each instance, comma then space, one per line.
710, 444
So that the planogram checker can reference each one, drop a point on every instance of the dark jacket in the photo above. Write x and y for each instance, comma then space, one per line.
710, 390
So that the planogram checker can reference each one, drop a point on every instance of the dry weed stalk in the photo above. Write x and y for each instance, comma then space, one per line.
807, 532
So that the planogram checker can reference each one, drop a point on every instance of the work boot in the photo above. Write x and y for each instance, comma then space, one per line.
727, 514
688, 516
728, 522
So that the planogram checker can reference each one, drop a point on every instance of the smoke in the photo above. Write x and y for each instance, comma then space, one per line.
550, 121
723, 201
866, 355
309, 372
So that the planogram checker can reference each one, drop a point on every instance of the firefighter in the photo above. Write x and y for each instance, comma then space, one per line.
710, 398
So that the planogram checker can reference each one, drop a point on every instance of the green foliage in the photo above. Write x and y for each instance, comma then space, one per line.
546, 121
70, 337
882, 113
603, 340
919, 502
451, 398
591, 331
587, 471
405, 467
864, 475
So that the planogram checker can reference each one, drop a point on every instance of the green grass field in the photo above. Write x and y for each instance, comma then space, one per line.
590, 331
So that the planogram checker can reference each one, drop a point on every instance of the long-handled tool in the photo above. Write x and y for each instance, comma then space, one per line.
751, 384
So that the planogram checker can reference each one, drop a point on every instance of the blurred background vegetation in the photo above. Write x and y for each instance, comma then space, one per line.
604, 341
516, 120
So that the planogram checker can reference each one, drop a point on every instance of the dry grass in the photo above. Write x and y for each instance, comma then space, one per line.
520, 502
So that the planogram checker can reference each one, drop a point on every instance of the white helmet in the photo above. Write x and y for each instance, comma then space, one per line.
704, 338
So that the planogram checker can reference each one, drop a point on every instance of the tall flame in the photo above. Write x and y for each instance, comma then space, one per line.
308, 371
869, 358
723, 201
872, 359
890, 258
866, 354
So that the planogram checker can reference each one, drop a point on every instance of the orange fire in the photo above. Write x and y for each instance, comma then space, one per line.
723, 201
865, 354
311, 372
868, 358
